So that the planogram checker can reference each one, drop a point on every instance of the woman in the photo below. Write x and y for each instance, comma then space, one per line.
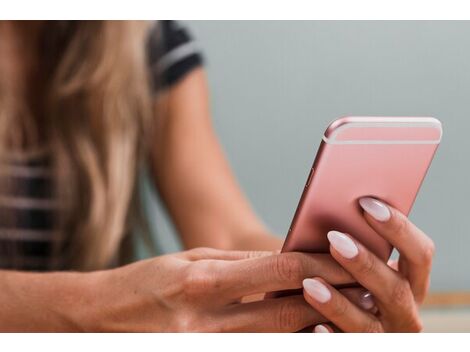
83, 105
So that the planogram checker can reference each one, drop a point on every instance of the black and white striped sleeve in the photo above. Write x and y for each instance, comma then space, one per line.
172, 53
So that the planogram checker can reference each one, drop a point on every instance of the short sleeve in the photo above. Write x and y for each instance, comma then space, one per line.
172, 53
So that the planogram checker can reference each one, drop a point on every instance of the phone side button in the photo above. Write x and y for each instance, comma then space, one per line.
310, 175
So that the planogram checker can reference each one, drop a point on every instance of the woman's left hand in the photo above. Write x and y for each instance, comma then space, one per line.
397, 291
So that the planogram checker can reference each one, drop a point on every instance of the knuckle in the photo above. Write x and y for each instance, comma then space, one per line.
372, 326
200, 277
368, 266
428, 252
334, 273
289, 316
400, 226
401, 293
289, 267
186, 324
340, 308
192, 323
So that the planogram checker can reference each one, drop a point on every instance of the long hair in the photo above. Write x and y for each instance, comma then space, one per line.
96, 103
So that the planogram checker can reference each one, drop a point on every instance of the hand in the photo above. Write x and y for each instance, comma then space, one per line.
397, 289
202, 290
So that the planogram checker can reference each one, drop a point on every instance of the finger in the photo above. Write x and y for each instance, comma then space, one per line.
286, 314
392, 292
218, 254
335, 307
283, 271
411, 242
398, 230
359, 296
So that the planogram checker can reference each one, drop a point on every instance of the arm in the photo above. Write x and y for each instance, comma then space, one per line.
196, 290
194, 178
45, 301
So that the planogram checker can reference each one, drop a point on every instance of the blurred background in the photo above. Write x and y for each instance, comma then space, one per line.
276, 85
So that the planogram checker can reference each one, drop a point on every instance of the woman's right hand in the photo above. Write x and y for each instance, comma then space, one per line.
202, 290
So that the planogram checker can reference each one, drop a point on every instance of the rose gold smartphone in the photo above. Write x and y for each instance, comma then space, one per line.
381, 157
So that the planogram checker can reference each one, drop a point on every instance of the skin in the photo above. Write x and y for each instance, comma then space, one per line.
196, 290
206, 289
398, 288
208, 208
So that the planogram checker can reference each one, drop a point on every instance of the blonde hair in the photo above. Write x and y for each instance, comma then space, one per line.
97, 113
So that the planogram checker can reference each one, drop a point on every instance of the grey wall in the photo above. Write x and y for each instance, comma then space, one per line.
276, 85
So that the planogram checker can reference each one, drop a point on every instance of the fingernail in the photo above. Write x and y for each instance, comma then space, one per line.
320, 329
317, 290
367, 301
343, 244
378, 210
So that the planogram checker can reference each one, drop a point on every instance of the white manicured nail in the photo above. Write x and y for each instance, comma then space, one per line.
367, 301
343, 244
378, 210
317, 290
320, 329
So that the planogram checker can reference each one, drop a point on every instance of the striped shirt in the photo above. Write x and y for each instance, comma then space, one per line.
27, 203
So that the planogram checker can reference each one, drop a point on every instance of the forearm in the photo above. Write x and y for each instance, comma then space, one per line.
59, 301
260, 240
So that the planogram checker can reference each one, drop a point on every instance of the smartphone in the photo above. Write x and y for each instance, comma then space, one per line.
381, 157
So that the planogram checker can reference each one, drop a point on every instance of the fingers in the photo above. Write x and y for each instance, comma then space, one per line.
398, 230
368, 270
392, 292
286, 314
411, 242
335, 307
359, 296
218, 254
283, 271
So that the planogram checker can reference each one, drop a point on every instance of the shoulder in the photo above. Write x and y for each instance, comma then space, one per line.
172, 53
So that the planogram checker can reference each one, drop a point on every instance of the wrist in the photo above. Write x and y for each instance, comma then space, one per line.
77, 301
89, 300
45, 301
